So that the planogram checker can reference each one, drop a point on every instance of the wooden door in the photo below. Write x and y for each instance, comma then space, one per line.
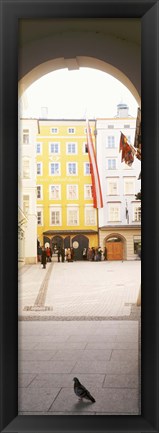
114, 250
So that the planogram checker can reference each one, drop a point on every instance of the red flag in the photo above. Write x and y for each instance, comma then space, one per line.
128, 152
96, 187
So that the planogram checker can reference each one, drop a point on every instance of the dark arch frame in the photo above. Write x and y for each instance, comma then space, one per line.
148, 12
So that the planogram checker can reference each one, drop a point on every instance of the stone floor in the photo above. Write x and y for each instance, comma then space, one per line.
102, 354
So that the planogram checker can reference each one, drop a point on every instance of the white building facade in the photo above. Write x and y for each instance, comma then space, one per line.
119, 220
28, 129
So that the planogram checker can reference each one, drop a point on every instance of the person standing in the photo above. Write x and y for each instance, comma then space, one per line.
43, 258
63, 254
84, 253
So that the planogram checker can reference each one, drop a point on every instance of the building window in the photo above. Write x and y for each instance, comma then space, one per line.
72, 217
87, 168
72, 168
54, 148
26, 204
114, 212
126, 126
137, 213
54, 130
111, 164
90, 217
39, 168
39, 191
71, 130
55, 217
72, 192
71, 148
111, 142
85, 148
54, 168
39, 217
112, 186
137, 244
129, 186
38, 148
110, 126
25, 136
55, 192
88, 192
26, 169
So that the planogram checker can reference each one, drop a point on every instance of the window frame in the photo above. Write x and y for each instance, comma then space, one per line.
91, 209
54, 174
72, 208
85, 190
71, 143
67, 191
41, 168
54, 143
85, 165
118, 206
56, 209
67, 168
59, 191
41, 189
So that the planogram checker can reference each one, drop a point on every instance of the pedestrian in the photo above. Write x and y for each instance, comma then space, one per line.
99, 253
48, 255
89, 254
68, 254
59, 254
62, 254
105, 253
93, 254
84, 253
43, 258
72, 254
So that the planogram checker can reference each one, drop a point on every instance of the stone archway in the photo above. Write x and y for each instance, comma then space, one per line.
115, 246
110, 45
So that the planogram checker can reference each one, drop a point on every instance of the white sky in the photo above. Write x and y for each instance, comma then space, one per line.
77, 94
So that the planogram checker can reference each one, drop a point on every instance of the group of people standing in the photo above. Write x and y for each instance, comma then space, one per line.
67, 254
94, 254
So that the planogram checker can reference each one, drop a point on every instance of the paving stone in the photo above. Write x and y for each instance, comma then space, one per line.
49, 366
25, 379
116, 401
65, 380
36, 399
124, 355
112, 367
121, 381
36, 355
59, 345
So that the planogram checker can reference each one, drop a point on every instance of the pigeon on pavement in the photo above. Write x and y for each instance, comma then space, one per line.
81, 391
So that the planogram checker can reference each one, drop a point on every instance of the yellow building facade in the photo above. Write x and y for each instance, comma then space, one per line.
65, 213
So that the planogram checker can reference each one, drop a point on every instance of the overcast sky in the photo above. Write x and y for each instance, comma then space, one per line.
77, 94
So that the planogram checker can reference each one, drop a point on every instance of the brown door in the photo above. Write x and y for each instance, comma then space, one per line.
114, 250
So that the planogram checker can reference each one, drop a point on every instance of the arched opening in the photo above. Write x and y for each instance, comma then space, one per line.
79, 242
115, 247
89, 62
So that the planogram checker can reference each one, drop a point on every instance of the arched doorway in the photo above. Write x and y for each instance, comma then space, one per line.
79, 242
56, 242
115, 247
67, 242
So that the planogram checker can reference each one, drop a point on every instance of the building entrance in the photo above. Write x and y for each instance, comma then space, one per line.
79, 242
114, 248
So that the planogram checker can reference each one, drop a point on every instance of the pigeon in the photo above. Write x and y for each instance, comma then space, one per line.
81, 391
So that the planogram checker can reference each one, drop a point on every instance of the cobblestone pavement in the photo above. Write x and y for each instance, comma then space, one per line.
79, 319
102, 354
79, 290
